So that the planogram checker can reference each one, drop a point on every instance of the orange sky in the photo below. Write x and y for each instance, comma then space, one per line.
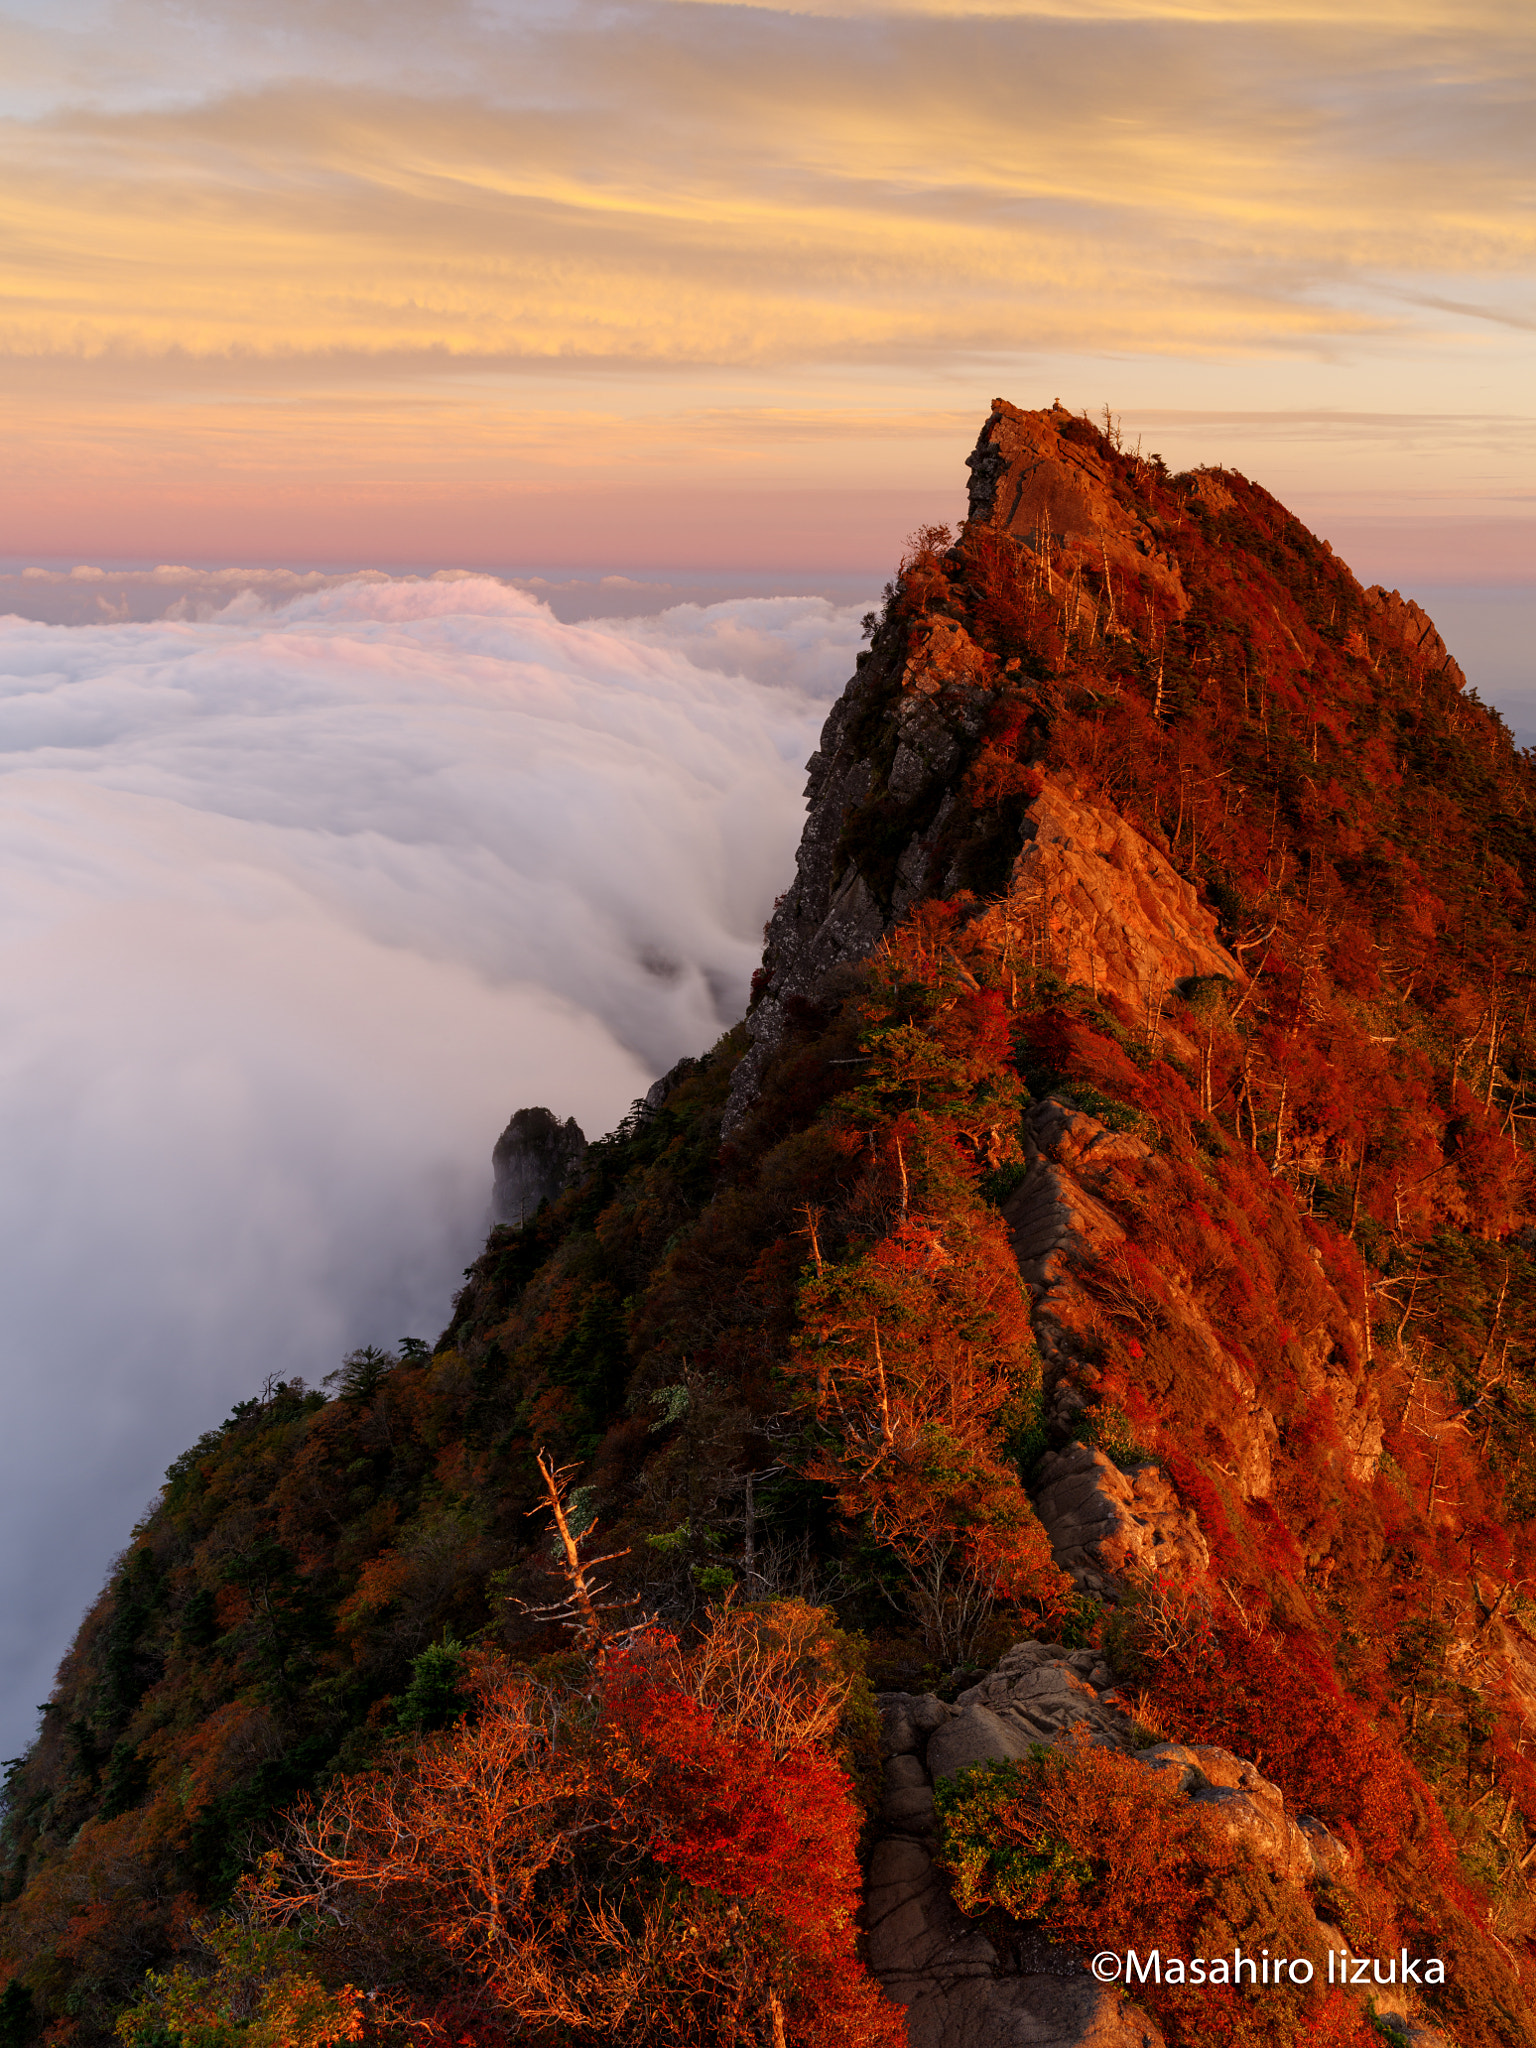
703, 285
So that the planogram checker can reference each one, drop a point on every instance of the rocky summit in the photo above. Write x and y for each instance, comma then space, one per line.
995, 1508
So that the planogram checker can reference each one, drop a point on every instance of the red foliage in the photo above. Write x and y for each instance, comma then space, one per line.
1222, 1687
730, 1818
521, 1860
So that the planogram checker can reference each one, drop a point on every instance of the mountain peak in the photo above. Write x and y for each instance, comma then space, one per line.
1093, 1297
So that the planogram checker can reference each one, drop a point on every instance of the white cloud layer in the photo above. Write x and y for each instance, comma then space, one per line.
302, 903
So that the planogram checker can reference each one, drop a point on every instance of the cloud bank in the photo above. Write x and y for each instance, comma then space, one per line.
301, 903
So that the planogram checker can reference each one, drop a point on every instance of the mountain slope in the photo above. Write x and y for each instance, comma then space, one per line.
1111, 1225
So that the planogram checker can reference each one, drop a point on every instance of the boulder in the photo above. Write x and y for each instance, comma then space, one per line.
1104, 1522
975, 1736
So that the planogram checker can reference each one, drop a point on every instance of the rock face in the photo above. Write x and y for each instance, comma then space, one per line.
533, 1160
959, 1988
1030, 483
958, 1991
834, 913
1411, 627
1057, 1224
1106, 1524
1109, 911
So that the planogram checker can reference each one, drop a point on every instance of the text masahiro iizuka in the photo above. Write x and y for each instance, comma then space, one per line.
1113, 1967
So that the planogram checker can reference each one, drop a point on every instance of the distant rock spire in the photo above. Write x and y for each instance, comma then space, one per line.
533, 1160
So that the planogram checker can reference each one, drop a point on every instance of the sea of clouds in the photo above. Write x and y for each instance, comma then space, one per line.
303, 898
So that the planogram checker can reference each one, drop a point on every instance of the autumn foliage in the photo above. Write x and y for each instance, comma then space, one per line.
1101, 1853
256, 1989
607, 1853
914, 1358
799, 1360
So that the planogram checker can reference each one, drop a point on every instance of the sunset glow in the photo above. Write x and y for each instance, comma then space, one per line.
639, 285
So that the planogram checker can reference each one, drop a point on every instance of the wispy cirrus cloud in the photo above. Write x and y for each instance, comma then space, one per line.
698, 187
398, 256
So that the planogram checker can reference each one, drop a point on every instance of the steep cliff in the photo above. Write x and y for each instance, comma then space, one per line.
533, 1160
1100, 1271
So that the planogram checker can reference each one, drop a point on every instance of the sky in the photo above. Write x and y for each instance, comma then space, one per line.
682, 285
669, 320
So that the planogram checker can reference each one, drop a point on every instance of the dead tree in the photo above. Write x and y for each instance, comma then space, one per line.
581, 1608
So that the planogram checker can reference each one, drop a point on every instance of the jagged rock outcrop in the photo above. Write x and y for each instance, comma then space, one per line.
959, 1987
832, 914
1054, 494
1109, 913
1250, 1808
1056, 1223
533, 1160
1107, 1525
1089, 895
1407, 623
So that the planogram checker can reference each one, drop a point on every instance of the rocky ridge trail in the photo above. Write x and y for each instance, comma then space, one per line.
963, 1990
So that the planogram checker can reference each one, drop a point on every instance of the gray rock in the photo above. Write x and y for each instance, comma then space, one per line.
936, 683
1105, 1523
976, 1736
959, 1991
898, 1736
914, 1929
910, 1810
534, 1159
909, 773
1028, 2012
929, 1712
1273, 1837
902, 1772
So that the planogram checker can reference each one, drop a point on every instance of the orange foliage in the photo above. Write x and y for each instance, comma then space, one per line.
915, 1353
1101, 1853
532, 1855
